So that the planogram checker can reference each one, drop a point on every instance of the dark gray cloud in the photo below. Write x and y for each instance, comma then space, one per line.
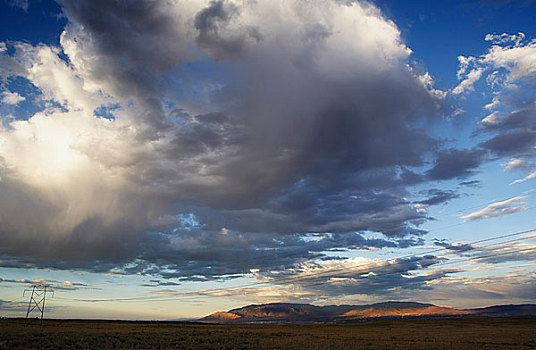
160, 283
201, 255
208, 22
473, 183
437, 196
194, 258
511, 143
454, 163
520, 119
454, 247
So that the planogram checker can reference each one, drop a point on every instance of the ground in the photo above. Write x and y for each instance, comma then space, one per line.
449, 333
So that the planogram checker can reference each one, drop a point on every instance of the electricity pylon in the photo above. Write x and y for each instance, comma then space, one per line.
37, 299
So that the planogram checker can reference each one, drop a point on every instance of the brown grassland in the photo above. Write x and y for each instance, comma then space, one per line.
432, 333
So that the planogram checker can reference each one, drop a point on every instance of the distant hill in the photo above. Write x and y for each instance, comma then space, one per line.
287, 313
523, 310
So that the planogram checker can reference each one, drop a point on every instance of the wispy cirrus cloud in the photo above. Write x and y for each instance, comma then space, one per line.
509, 206
58, 285
521, 164
526, 178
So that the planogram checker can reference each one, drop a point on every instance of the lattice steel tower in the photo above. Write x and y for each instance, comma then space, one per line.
38, 298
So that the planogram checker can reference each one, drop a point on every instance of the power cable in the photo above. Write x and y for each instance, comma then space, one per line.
330, 272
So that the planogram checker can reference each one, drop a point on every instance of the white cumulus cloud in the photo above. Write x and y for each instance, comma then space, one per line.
12, 98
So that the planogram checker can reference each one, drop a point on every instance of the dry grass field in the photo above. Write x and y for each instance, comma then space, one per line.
447, 333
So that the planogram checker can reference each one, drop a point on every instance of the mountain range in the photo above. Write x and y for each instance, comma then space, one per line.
286, 313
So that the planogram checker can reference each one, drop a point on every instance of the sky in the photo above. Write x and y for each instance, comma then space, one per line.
169, 159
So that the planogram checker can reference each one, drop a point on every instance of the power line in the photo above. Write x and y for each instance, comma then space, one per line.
397, 261
375, 275
352, 271
237, 290
4, 250
260, 258
326, 273
444, 263
330, 273
465, 222
453, 251
460, 211
13, 300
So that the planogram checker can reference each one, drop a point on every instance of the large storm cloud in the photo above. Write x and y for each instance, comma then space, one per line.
193, 138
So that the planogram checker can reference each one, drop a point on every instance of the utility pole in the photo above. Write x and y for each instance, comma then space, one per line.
37, 299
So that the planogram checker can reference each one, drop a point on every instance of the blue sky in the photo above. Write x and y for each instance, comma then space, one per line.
198, 156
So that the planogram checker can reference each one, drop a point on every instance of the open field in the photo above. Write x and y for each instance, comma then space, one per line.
446, 333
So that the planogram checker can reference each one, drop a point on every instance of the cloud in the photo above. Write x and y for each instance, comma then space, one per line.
22, 4
55, 285
517, 163
491, 119
514, 134
14, 306
454, 163
131, 47
160, 283
211, 115
468, 83
12, 98
509, 206
520, 164
517, 251
462, 247
510, 70
505, 38
487, 290
200, 255
360, 276
511, 251
418, 278
193, 257
528, 177
437, 196
511, 143
208, 22
517, 59
474, 183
